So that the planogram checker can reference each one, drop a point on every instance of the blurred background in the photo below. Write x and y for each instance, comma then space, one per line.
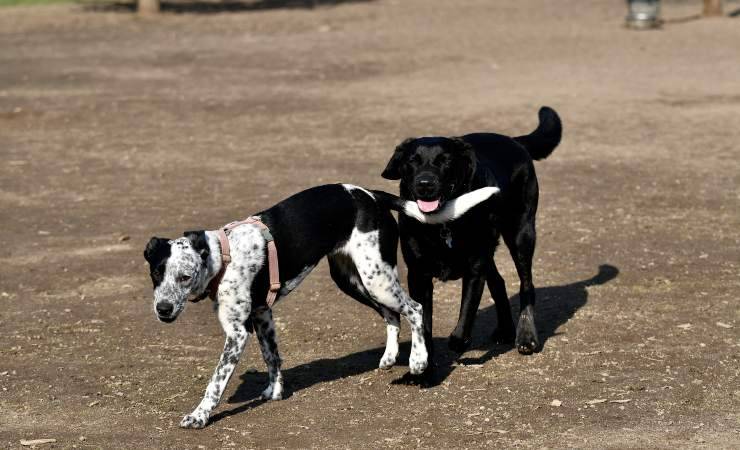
120, 121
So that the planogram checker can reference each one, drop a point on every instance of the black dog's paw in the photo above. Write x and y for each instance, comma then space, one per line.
503, 335
458, 345
527, 341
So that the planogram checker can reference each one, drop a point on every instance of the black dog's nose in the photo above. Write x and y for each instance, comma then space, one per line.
426, 185
164, 309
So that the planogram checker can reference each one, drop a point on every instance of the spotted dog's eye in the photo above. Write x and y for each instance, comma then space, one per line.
183, 278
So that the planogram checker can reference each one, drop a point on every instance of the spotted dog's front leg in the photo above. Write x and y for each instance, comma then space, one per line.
265, 328
236, 340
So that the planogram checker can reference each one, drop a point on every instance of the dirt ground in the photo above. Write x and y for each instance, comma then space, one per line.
115, 128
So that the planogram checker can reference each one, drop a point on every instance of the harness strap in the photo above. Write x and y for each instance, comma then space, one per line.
272, 257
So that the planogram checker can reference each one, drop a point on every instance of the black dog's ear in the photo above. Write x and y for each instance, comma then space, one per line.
199, 242
393, 169
156, 249
468, 156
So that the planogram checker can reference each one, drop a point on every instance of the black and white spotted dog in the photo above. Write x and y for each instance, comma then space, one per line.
352, 226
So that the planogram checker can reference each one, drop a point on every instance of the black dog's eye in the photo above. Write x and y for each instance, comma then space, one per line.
441, 159
183, 278
416, 159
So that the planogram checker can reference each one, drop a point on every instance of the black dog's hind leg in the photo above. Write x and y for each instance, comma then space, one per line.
505, 331
521, 246
265, 329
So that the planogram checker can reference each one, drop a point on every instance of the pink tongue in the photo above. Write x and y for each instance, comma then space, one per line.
427, 206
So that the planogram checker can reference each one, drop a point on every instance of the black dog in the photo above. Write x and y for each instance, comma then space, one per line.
433, 170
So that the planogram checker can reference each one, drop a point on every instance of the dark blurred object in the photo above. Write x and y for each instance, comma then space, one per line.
712, 8
643, 14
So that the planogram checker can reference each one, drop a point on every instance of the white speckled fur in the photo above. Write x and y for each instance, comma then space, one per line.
234, 307
381, 282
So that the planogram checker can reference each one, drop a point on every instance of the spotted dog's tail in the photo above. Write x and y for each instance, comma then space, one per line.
543, 140
451, 210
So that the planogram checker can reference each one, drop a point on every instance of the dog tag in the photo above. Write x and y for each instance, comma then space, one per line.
446, 234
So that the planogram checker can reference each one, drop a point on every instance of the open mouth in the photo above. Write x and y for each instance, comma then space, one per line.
428, 206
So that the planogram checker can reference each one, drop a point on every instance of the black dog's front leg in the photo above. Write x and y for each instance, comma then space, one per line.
473, 283
421, 289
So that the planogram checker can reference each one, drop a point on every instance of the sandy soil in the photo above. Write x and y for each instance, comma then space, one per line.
115, 128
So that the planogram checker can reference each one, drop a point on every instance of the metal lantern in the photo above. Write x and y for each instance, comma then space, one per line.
643, 14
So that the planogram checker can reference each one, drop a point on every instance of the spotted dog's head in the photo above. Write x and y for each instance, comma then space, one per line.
179, 271
432, 170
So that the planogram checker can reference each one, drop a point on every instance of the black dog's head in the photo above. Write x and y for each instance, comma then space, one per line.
179, 271
432, 170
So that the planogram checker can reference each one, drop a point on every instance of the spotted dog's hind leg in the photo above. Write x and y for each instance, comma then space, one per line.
232, 316
412, 311
393, 327
380, 279
345, 275
265, 329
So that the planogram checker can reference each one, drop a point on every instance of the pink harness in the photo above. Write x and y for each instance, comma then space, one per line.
272, 258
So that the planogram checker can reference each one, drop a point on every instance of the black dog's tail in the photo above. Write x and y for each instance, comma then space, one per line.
542, 141
451, 210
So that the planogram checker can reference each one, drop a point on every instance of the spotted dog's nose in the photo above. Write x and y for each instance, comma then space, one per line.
165, 309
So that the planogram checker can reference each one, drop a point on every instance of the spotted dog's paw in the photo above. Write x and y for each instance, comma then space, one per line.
387, 361
418, 362
527, 341
272, 393
196, 420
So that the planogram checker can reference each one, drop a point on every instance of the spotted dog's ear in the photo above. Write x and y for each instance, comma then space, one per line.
199, 242
393, 169
156, 249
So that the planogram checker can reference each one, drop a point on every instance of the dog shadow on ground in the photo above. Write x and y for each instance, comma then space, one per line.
555, 306
216, 7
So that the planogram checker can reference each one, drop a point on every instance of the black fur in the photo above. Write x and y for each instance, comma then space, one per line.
200, 243
156, 253
314, 223
543, 140
442, 168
